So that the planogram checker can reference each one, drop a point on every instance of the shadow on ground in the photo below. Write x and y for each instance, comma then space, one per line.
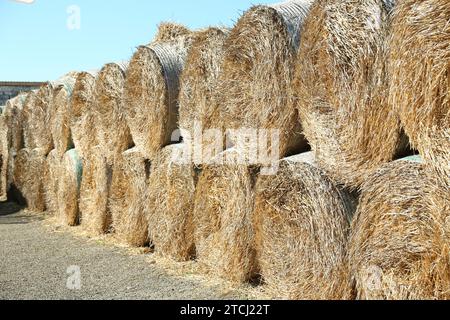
13, 213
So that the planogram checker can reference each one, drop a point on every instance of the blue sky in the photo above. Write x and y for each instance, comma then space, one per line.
37, 43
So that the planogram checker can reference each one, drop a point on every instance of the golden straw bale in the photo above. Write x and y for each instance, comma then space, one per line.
223, 210
95, 185
14, 119
198, 84
170, 203
399, 248
341, 89
68, 192
257, 73
29, 105
113, 134
81, 115
40, 119
302, 221
60, 117
419, 69
13, 113
20, 173
151, 92
4, 157
29, 176
52, 180
39, 114
128, 196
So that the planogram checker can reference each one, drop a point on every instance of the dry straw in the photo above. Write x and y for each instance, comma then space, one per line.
13, 113
82, 124
127, 198
223, 218
40, 113
420, 81
103, 118
341, 88
60, 117
68, 192
152, 88
257, 72
40, 118
95, 184
399, 248
4, 157
302, 221
29, 105
198, 83
29, 178
168, 31
52, 179
14, 119
170, 203
113, 134
19, 172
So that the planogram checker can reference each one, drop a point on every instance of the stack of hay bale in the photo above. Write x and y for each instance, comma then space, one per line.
200, 147
151, 112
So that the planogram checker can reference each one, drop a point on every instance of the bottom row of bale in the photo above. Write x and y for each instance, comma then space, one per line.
296, 230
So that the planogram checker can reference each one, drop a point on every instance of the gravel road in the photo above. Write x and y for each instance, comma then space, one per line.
36, 263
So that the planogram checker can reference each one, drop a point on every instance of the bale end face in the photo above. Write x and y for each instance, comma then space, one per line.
399, 244
70, 175
112, 132
257, 73
301, 220
128, 197
341, 88
223, 220
29, 178
420, 81
170, 205
94, 190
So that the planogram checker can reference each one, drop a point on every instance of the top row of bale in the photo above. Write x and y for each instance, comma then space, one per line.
328, 73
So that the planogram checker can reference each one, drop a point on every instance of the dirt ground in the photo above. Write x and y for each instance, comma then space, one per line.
41, 261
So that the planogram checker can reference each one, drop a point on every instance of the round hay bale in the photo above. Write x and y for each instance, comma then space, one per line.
223, 218
29, 105
127, 197
419, 70
170, 204
95, 217
13, 113
60, 126
40, 118
340, 89
4, 157
70, 174
151, 93
20, 172
302, 221
113, 134
52, 181
257, 72
14, 118
399, 249
81, 121
198, 112
40, 114
29, 177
